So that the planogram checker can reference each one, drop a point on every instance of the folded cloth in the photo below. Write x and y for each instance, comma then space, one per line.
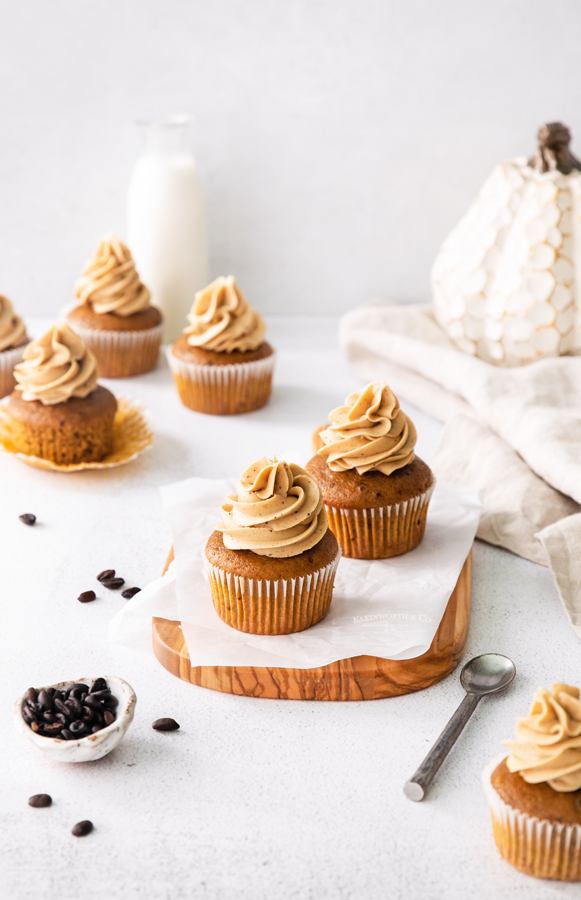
515, 432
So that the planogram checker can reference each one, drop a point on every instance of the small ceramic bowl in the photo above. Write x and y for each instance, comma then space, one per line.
93, 746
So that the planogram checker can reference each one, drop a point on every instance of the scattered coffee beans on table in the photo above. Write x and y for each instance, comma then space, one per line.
27, 518
165, 725
73, 713
87, 596
129, 593
82, 828
39, 801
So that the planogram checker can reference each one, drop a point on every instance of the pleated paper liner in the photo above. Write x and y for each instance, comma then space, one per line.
9, 359
535, 846
131, 436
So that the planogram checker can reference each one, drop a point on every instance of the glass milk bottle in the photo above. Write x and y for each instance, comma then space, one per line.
167, 221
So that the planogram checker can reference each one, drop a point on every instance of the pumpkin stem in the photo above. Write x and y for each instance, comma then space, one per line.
553, 152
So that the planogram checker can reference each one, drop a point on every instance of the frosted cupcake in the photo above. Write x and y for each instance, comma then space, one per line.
115, 318
58, 411
272, 560
375, 489
221, 364
13, 340
535, 793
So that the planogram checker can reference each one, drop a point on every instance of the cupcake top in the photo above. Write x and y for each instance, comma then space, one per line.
110, 283
370, 433
12, 328
56, 367
548, 744
222, 320
277, 512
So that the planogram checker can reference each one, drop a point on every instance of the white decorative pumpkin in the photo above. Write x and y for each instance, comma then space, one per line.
504, 282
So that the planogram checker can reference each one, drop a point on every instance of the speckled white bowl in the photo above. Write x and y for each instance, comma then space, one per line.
93, 746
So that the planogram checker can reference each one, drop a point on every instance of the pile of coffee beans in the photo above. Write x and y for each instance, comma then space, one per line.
73, 713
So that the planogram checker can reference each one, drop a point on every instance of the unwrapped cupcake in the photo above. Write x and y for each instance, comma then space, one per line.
221, 364
375, 489
13, 340
58, 411
272, 560
115, 318
535, 793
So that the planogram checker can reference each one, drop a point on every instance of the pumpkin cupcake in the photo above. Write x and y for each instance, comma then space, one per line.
13, 340
375, 489
58, 411
535, 793
272, 560
221, 364
115, 318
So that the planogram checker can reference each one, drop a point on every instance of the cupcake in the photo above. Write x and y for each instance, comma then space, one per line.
535, 793
272, 560
221, 364
13, 340
58, 411
375, 489
115, 318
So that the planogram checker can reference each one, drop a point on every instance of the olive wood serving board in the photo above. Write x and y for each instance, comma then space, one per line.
358, 678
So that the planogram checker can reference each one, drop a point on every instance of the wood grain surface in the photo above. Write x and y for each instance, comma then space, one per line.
358, 678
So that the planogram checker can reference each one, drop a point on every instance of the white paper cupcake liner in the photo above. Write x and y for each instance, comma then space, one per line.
264, 606
372, 533
536, 846
121, 354
223, 390
9, 359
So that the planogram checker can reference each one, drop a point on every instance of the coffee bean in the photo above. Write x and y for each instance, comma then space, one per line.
165, 725
111, 701
87, 596
77, 728
45, 700
32, 695
94, 704
113, 584
53, 729
130, 592
81, 829
77, 687
40, 801
61, 718
96, 728
35, 726
27, 518
106, 574
75, 706
108, 717
48, 717
99, 684
67, 735
100, 695
62, 708
28, 714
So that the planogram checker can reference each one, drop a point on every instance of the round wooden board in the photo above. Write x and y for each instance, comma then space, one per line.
358, 678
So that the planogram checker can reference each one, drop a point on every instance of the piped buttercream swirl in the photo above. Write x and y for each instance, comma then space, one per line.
548, 745
12, 328
277, 512
370, 433
222, 320
56, 367
110, 283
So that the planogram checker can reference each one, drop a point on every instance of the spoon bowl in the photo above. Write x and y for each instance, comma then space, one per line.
487, 674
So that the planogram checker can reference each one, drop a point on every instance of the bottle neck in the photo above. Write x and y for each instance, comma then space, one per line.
167, 137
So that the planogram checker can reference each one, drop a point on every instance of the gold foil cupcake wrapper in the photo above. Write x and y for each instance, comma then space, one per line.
536, 846
223, 390
131, 436
9, 359
383, 531
261, 606
121, 354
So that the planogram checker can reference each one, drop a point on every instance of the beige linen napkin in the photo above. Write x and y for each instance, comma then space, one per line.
516, 433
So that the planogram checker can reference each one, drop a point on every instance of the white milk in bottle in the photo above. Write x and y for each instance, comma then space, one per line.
167, 222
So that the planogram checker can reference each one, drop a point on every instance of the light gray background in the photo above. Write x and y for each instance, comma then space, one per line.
338, 140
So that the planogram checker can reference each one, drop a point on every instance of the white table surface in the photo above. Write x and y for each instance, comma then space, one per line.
251, 798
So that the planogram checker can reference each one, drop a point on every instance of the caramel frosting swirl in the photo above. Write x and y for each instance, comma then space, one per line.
56, 367
222, 320
548, 745
12, 328
370, 433
277, 512
110, 283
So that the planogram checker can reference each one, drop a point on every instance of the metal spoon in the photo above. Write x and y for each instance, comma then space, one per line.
483, 675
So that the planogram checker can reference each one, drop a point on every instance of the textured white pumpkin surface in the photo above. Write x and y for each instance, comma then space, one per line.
504, 281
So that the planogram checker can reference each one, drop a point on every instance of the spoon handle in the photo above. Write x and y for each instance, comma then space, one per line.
418, 785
